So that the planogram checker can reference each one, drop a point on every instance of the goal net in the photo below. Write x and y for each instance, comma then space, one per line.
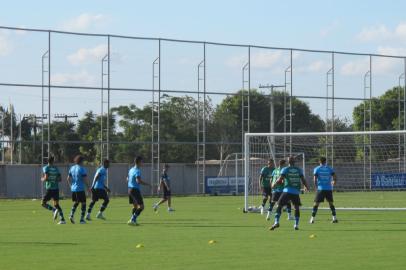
363, 161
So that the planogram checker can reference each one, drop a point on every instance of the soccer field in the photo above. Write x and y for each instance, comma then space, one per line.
29, 239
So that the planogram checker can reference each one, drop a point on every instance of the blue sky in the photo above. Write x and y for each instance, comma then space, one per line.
360, 26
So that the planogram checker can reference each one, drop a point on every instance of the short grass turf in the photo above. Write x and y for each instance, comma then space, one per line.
29, 239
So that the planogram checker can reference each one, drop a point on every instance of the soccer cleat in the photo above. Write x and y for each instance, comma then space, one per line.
296, 227
262, 210
335, 220
171, 209
82, 221
71, 220
290, 217
132, 223
155, 207
88, 217
100, 216
61, 222
55, 214
311, 220
276, 225
268, 215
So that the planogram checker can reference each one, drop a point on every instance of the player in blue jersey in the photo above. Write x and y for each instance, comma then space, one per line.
134, 180
292, 178
77, 179
324, 180
99, 190
265, 179
165, 187
277, 191
51, 178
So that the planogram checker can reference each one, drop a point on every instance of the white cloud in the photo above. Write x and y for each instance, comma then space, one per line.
84, 21
329, 28
6, 46
380, 65
391, 51
379, 32
383, 33
86, 55
82, 78
355, 67
315, 66
264, 59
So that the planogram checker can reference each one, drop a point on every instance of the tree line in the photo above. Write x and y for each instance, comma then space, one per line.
130, 131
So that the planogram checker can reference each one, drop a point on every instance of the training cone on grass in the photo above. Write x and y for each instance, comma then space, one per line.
139, 246
312, 236
212, 242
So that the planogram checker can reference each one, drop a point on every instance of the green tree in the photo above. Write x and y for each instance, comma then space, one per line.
227, 118
385, 116
65, 137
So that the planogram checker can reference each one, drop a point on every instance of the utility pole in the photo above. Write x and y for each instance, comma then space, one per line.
272, 105
65, 116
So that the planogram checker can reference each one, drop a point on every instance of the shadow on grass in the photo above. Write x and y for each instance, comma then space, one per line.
37, 243
189, 225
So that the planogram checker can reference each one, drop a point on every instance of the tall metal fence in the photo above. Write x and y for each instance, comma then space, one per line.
51, 75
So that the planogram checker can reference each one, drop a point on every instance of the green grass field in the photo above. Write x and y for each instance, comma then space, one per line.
29, 239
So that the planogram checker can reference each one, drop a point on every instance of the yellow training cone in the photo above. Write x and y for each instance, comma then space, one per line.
139, 246
212, 242
312, 236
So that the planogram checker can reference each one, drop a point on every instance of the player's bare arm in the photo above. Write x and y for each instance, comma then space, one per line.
141, 182
44, 177
334, 182
279, 181
304, 182
315, 182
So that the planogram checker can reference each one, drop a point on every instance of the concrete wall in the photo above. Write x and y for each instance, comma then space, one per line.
23, 181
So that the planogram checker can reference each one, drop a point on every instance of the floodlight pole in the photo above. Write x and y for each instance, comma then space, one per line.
19, 140
2, 115
11, 134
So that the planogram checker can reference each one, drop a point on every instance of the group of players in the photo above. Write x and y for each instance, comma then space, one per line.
282, 186
78, 181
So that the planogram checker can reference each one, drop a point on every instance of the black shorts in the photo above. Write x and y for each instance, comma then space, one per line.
166, 194
51, 194
285, 198
134, 196
323, 194
99, 194
79, 196
276, 195
267, 191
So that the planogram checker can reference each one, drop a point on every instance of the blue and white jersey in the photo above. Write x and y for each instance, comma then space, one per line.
133, 173
101, 173
77, 173
324, 175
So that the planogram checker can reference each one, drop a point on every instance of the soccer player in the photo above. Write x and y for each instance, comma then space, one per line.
99, 190
265, 179
324, 179
77, 179
134, 193
277, 191
51, 177
292, 178
165, 186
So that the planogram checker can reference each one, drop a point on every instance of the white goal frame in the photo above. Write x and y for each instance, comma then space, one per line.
298, 134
